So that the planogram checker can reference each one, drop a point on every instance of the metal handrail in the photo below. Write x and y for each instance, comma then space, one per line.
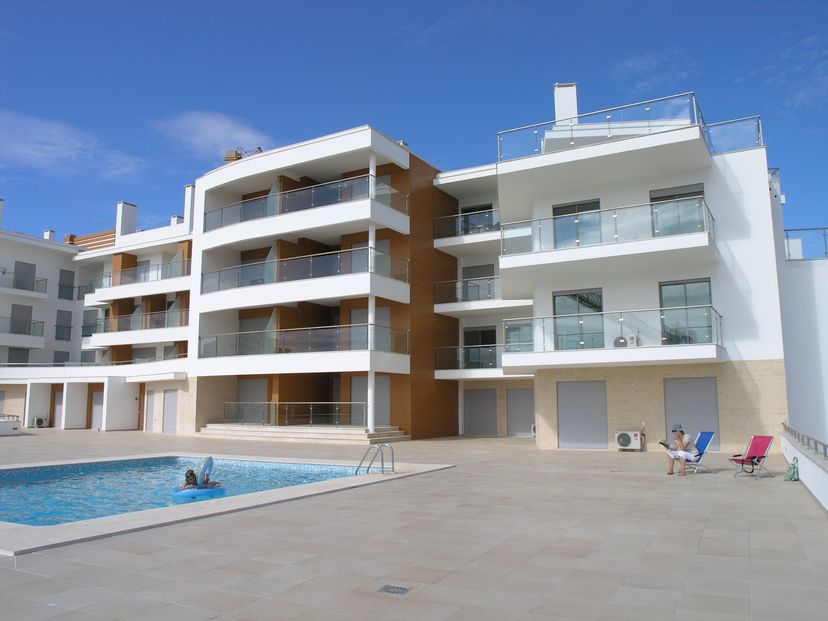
571, 118
468, 213
806, 440
378, 449
613, 312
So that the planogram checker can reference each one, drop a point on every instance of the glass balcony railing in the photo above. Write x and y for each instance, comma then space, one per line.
66, 292
144, 273
139, 321
639, 119
63, 333
467, 290
469, 357
20, 326
608, 226
322, 195
803, 244
354, 337
99, 363
689, 325
296, 413
358, 260
10, 280
467, 224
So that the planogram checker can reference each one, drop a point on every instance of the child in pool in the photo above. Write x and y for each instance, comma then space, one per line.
190, 480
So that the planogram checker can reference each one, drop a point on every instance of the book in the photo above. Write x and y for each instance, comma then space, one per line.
664, 444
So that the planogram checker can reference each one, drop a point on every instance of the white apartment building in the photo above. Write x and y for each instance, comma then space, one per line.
608, 271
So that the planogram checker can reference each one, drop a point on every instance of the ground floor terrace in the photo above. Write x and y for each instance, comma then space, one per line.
509, 533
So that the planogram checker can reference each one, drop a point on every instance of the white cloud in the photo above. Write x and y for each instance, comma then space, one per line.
53, 147
650, 72
206, 135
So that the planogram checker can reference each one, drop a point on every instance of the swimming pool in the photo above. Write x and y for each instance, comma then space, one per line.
57, 494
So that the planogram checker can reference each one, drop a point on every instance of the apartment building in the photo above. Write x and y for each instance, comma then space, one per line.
608, 272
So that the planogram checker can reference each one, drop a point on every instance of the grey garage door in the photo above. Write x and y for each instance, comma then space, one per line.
520, 411
692, 402
582, 415
480, 412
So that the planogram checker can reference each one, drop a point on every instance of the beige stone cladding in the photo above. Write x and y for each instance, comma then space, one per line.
751, 394
501, 386
14, 403
183, 404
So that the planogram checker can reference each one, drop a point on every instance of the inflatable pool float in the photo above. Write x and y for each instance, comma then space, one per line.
205, 470
200, 492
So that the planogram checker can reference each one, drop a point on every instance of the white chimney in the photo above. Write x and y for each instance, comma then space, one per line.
49, 234
2, 202
125, 218
566, 101
176, 220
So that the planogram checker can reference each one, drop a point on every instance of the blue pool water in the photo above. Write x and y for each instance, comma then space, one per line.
45, 495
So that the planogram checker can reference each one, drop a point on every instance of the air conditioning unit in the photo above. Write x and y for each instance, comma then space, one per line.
628, 440
41, 421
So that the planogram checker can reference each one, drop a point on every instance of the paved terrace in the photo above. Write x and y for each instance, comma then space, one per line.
510, 533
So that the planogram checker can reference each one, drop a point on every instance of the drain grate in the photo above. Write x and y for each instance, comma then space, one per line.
393, 589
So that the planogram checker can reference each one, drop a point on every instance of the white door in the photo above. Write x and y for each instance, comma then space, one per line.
2, 401
170, 411
58, 413
149, 410
382, 399
97, 409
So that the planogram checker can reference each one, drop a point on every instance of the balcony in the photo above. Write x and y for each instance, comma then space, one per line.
24, 285
23, 334
324, 349
369, 199
468, 234
347, 274
677, 335
806, 244
164, 326
469, 362
619, 239
472, 296
137, 282
646, 118
295, 413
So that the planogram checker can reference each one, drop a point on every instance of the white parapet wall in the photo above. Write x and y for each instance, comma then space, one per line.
813, 469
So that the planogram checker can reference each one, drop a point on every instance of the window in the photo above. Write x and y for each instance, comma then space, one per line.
61, 357
579, 322
576, 224
66, 285
18, 356
63, 326
478, 219
687, 314
88, 357
480, 348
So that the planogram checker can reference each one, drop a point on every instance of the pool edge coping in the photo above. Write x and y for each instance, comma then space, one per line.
19, 539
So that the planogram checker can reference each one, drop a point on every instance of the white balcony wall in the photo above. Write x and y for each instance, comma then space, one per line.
135, 337
312, 362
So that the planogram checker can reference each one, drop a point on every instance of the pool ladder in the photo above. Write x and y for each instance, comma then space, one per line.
376, 449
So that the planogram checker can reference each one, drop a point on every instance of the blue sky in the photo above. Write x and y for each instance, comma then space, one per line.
103, 101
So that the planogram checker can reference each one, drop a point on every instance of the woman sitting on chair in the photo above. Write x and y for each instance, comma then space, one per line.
679, 451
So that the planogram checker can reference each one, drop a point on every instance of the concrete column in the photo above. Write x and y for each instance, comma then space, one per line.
372, 171
372, 315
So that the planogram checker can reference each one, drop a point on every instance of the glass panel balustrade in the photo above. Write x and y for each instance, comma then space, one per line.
469, 357
803, 244
355, 337
10, 280
139, 321
292, 201
144, 273
608, 226
689, 325
358, 260
296, 413
467, 290
467, 224
9, 325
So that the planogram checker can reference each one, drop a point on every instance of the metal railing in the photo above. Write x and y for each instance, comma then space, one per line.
145, 273
9, 325
66, 292
376, 449
804, 244
354, 261
353, 337
467, 223
685, 325
100, 363
809, 442
63, 333
285, 413
10, 280
139, 321
632, 120
321, 195
608, 226
467, 290
469, 357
